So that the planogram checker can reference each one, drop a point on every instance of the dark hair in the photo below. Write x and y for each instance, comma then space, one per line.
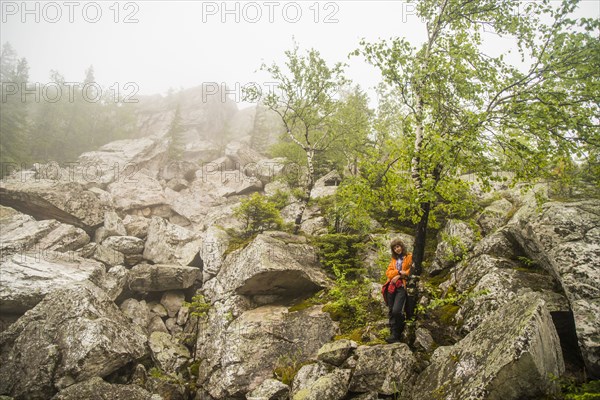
394, 243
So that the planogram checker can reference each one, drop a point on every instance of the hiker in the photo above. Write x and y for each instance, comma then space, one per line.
394, 291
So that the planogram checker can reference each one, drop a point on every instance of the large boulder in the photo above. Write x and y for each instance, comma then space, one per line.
494, 216
270, 389
307, 375
21, 233
386, 369
168, 355
69, 202
215, 242
115, 281
495, 274
178, 170
118, 161
74, 334
25, 280
273, 266
204, 205
128, 245
242, 155
267, 170
250, 347
326, 185
335, 353
136, 226
172, 301
137, 192
144, 278
113, 225
97, 389
564, 238
136, 311
454, 241
168, 243
331, 386
499, 287
513, 354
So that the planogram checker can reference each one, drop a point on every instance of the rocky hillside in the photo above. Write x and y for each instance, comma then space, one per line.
121, 277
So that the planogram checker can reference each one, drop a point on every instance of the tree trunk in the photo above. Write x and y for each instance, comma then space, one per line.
420, 238
307, 190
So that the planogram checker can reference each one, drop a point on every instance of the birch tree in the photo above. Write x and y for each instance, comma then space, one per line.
306, 101
464, 111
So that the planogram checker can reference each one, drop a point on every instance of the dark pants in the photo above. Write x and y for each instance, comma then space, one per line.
396, 303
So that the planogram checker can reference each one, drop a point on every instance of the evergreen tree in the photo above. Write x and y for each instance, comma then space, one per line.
175, 135
14, 125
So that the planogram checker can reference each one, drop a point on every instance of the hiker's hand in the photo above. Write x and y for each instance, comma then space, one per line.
395, 279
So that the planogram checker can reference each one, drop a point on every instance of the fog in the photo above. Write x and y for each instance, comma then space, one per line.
157, 45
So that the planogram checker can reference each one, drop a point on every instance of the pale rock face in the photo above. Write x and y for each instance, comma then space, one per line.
331, 386
177, 184
214, 244
385, 377
499, 287
136, 311
565, 239
69, 203
137, 192
136, 226
494, 216
326, 185
115, 281
171, 244
510, 355
118, 160
172, 301
494, 276
249, 346
145, 278
270, 389
454, 241
335, 353
20, 233
307, 375
25, 280
276, 265
267, 170
167, 354
242, 155
72, 335
113, 224
178, 170
128, 245
98, 388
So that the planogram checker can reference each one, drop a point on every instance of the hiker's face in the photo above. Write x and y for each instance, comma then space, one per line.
398, 249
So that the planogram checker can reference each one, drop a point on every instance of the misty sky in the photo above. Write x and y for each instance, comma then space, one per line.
163, 44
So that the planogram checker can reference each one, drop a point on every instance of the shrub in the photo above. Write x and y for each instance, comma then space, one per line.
287, 366
258, 215
341, 252
198, 306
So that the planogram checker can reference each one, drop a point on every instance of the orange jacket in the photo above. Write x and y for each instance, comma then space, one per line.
406, 264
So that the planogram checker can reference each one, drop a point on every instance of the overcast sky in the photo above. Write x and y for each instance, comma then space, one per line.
162, 44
